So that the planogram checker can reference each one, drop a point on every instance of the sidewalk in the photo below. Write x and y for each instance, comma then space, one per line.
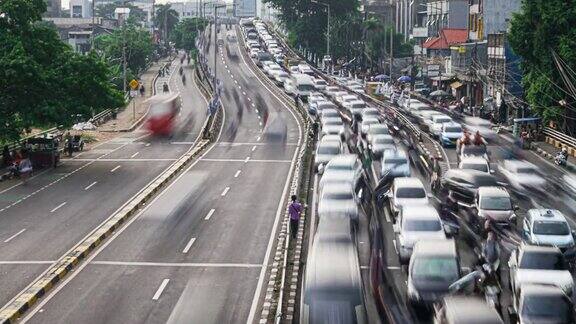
549, 151
133, 114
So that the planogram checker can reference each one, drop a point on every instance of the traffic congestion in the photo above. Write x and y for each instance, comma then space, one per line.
475, 232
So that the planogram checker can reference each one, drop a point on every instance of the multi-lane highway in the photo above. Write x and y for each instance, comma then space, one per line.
198, 252
43, 219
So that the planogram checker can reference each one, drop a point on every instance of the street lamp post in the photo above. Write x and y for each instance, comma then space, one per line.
327, 5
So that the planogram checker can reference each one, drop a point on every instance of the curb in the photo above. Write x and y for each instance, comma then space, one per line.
26, 299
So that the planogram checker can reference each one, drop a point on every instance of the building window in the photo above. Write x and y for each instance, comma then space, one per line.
76, 11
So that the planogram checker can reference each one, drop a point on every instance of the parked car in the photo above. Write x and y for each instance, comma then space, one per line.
395, 164
465, 310
374, 130
345, 168
547, 227
325, 151
366, 122
380, 144
413, 224
333, 126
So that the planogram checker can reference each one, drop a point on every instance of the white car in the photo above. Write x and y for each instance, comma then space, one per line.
280, 77
494, 203
254, 52
321, 105
436, 124
530, 264
331, 90
338, 198
382, 144
366, 122
333, 126
523, 176
413, 224
329, 113
406, 192
319, 84
345, 99
271, 68
375, 130
547, 227
355, 106
543, 304
409, 103
370, 112
305, 69
294, 69
326, 150
475, 163
344, 168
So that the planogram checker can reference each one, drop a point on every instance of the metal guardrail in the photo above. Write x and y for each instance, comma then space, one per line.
18, 144
560, 137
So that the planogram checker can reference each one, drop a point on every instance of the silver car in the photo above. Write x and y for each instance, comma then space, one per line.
325, 151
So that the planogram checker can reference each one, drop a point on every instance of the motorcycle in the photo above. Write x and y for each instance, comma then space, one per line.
560, 159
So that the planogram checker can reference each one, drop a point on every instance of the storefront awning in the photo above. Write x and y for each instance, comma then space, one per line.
456, 85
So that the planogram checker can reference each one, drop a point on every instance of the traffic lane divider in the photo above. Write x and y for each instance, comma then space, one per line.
11, 312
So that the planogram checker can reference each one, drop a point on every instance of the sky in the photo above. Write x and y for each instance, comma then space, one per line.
65, 3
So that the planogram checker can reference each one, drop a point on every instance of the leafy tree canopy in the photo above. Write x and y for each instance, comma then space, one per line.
544, 27
185, 32
165, 19
43, 82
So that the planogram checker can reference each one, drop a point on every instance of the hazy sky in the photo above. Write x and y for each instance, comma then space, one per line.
66, 2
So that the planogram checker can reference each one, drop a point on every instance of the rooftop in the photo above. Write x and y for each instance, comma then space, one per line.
447, 37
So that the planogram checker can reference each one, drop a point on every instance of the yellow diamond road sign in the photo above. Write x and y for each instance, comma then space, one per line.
134, 84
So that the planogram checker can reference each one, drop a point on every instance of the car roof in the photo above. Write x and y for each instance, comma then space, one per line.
544, 214
331, 138
452, 124
473, 159
343, 159
328, 143
408, 182
493, 191
420, 212
470, 310
441, 115
336, 188
434, 248
541, 290
519, 164
396, 154
539, 248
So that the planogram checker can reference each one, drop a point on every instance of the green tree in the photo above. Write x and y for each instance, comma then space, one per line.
544, 27
139, 50
43, 82
185, 32
166, 19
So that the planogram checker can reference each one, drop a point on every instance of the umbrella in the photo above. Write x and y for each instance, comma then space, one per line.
381, 77
439, 93
404, 78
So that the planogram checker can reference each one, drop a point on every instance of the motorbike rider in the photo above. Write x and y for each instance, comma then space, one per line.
491, 250
165, 87
478, 140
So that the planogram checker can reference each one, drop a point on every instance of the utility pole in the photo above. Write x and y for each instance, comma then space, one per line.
124, 58
391, 51
165, 26
93, 24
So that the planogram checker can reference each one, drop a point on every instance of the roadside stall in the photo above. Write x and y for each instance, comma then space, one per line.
44, 151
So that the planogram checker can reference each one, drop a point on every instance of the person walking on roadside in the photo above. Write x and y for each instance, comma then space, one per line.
295, 209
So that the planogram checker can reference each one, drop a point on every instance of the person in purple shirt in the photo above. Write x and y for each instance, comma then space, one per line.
294, 209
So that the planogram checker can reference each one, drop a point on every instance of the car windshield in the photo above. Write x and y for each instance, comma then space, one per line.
328, 149
320, 82
526, 170
341, 167
550, 228
475, 166
495, 203
421, 225
306, 87
384, 140
358, 105
474, 150
549, 309
370, 112
484, 181
453, 129
339, 195
395, 161
410, 192
541, 261
332, 122
379, 130
435, 268
330, 114
442, 120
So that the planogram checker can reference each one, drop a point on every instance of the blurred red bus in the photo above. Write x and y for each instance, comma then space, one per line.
162, 114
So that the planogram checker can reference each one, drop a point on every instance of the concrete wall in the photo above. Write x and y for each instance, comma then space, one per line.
496, 13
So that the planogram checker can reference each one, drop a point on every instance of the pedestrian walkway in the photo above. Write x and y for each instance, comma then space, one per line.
133, 114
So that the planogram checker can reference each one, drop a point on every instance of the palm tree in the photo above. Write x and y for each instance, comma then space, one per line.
165, 19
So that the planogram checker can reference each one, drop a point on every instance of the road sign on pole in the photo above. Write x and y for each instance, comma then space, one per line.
134, 84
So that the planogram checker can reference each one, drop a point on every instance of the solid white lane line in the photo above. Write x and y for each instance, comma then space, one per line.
225, 191
249, 99
13, 236
235, 81
254, 105
148, 144
120, 160
116, 168
189, 245
243, 93
182, 143
247, 159
91, 185
258, 138
58, 207
210, 213
253, 148
156, 264
237, 173
160, 289
258, 116
27, 262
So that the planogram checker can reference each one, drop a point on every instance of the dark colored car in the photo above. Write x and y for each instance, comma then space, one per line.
462, 185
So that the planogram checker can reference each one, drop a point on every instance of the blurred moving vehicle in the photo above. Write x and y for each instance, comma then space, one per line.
366, 122
436, 124
413, 224
339, 198
395, 164
319, 84
380, 144
325, 151
547, 227
470, 150
475, 163
162, 114
332, 291
523, 176
465, 310
461, 186
449, 134
333, 126
433, 267
542, 265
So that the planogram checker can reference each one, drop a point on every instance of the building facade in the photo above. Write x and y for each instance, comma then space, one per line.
187, 9
245, 8
80, 9
53, 8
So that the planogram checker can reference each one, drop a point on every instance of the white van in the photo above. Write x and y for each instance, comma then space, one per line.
303, 85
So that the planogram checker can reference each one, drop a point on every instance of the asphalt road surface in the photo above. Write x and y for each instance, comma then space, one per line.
198, 252
43, 219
